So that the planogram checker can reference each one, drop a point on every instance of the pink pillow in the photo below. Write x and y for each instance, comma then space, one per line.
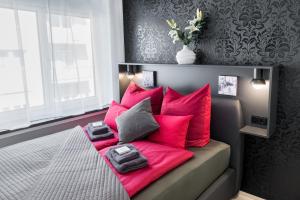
197, 104
113, 112
134, 94
172, 131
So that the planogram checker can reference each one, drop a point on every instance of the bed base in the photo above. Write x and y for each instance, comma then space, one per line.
222, 189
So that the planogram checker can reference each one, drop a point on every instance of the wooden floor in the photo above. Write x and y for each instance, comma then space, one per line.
245, 196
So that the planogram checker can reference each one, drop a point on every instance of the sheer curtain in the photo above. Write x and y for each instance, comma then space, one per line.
57, 58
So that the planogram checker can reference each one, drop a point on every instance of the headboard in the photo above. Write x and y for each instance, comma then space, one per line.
258, 105
226, 121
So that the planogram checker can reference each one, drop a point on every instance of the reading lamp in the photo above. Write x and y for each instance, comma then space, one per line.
130, 72
258, 81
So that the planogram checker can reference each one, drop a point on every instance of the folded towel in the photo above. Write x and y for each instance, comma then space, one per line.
131, 155
104, 136
129, 166
98, 130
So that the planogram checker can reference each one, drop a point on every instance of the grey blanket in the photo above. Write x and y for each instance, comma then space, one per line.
64, 165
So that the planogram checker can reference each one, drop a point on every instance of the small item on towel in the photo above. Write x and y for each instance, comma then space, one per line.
103, 136
99, 129
129, 166
122, 150
122, 158
97, 124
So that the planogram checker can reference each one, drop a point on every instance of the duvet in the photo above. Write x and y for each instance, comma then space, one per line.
64, 165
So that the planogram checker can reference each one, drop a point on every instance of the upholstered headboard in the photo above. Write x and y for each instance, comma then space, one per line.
226, 121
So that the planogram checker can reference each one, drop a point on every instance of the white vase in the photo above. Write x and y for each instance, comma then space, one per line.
185, 56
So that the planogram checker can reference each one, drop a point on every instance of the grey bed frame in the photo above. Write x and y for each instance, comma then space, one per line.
225, 126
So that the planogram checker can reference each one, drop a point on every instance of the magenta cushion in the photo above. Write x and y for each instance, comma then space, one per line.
113, 112
134, 94
197, 104
172, 131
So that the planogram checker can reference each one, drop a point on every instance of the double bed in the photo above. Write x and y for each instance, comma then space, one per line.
66, 165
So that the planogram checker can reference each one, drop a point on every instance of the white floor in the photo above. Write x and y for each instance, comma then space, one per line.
245, 196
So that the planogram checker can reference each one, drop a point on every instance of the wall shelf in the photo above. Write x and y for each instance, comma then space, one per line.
252, 130
198, 66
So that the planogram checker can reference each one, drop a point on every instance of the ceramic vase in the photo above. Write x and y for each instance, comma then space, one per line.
185, 56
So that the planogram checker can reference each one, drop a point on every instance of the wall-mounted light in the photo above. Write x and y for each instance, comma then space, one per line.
130, 72
258, 81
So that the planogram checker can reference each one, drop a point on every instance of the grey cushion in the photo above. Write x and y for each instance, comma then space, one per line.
137, 122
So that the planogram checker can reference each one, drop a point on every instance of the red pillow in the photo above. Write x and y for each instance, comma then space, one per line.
172, 131
113, 112
134, 94
197, 104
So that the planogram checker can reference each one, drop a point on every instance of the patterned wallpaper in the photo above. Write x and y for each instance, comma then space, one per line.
241, 32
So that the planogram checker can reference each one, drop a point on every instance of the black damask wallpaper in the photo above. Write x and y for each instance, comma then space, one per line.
241, 32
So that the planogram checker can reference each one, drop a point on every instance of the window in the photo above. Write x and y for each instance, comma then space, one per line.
72, 36
46, 66
13, 61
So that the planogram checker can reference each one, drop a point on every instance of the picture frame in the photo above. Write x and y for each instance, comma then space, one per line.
148, 79
227, 85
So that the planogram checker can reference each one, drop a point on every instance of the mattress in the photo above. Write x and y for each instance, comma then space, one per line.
191, 179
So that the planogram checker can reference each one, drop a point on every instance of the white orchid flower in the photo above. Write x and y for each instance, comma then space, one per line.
192, 22
192, 28
199, 14
186, 36
172, 23
173, 34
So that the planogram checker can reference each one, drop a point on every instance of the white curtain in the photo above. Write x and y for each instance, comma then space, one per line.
57, 58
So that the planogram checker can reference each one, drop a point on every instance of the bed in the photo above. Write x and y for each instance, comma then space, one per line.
66, 165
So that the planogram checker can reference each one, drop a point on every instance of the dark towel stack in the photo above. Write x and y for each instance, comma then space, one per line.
99, 132
126, 162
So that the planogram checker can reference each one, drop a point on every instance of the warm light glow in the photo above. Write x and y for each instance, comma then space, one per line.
121, 75
139, 75
258, 86
258, 82
130, 76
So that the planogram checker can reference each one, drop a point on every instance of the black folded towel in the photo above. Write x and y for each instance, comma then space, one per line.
129, 166
131, 155
99, 129
104, 136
